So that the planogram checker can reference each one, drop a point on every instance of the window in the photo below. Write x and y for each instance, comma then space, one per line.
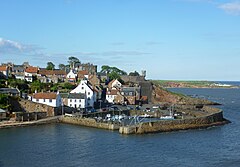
88, 93
70, 105
37, 100
44, 100
70, 100
88, 98
82, 87
50, 100
75, 100
80, 100
130, 93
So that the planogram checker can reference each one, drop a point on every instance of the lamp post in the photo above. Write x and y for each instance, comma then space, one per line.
62, 106
100, 104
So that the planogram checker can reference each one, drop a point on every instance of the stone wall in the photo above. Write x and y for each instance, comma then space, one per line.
30, 116
182, 124
89, 122
215, 117
29, 106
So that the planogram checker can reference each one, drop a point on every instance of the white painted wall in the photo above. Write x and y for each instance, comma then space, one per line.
86, 89
50, 102
76, 103
110, 98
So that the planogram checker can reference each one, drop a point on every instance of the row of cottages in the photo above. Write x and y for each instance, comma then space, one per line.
47, 98
51, 76
120, 94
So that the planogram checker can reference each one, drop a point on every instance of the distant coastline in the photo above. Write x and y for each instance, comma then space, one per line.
196, 84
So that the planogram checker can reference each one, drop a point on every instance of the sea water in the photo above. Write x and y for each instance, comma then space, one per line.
71, 145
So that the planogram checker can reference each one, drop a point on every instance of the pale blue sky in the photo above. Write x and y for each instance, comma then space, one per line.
171, 39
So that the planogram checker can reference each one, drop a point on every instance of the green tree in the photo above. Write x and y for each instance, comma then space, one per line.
61, 66
50, 66
109, 69
73, 60
4, 101
36, 86
135, 73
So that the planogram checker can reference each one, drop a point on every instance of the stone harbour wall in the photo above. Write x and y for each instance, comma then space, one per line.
89, 122
214, 118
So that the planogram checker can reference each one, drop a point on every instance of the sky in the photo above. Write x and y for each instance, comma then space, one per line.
170, 39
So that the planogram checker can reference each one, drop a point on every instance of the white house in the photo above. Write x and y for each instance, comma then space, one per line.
50, 99
30, 72
76, 100
114, 84
4, 70
111, 95
86, 88
71, 76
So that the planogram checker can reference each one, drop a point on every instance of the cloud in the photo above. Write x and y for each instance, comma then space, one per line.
231, 7
12, 47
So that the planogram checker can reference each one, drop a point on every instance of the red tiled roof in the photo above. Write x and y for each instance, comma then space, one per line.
52, 72
112, 92
32, 69
110, 83
83, 73
45, 95
3, 68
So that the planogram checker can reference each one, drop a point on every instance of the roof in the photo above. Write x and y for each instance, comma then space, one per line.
2, 111
52, 72
9, 90
3, 68
19, 68
76, 96
112, 92
64, 95
84, 72
110, 83
32, 69
45, 95
131, 89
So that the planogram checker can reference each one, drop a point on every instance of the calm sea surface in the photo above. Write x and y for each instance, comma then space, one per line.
69, 145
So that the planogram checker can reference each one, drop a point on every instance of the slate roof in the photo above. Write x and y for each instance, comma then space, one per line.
9, 90
76, 96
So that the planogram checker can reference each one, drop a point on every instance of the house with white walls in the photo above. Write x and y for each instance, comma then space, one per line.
30, 72
76, 100
111, 95
48, 98
71, 76
114, 84
86, 88
4, 71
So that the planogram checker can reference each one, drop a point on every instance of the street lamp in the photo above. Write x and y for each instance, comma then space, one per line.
100, 104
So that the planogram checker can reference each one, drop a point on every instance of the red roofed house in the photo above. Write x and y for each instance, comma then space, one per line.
30, 72
82, 75
50, 99
4, 71
114, 84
